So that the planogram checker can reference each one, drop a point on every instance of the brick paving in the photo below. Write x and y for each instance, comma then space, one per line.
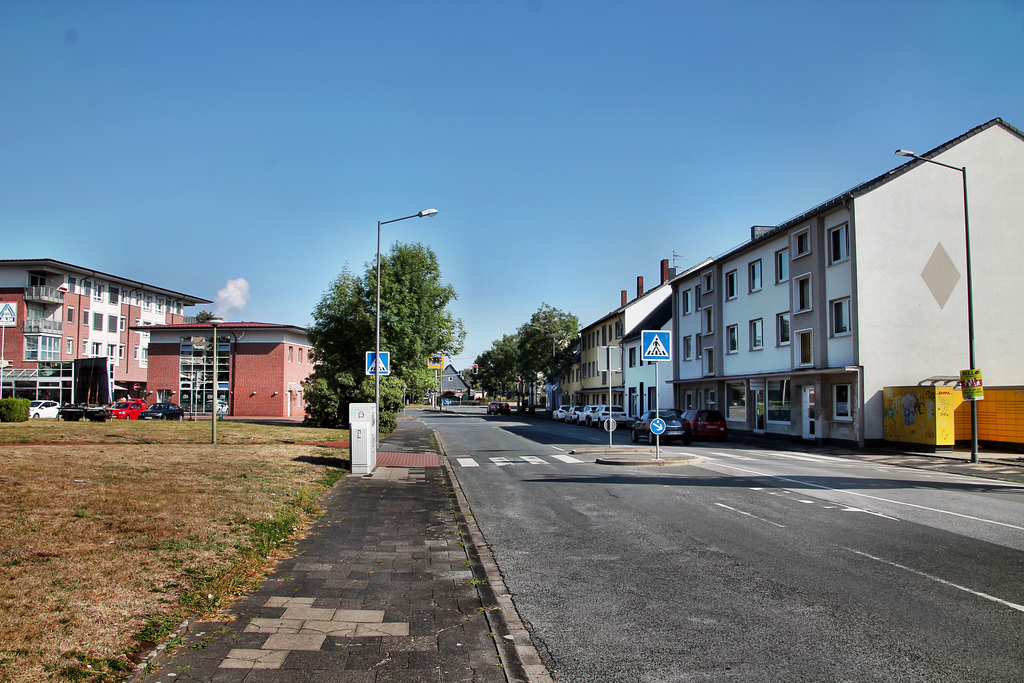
380, 590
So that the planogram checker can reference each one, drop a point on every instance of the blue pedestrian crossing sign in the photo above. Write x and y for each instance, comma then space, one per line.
383, 365
655, 345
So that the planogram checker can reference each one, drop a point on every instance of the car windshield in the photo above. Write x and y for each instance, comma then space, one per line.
34, 404
121, 405
714, 416
674, 414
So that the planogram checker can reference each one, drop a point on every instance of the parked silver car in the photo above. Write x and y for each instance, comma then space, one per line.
616, 413
561, 413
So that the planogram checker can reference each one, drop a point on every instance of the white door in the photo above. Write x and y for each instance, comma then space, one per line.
809, 414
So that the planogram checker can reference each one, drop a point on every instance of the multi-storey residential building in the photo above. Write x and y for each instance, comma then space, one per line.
797, 332
594, 385
66, 313
260, 368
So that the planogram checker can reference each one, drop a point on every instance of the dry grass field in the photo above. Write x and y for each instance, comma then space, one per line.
112, 533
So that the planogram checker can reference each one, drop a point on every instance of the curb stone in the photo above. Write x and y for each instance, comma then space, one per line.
519, 658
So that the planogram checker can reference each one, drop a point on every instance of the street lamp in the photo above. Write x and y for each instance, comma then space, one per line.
376, 349
962, 170
214, 322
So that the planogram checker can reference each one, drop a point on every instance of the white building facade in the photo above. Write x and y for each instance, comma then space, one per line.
797, 332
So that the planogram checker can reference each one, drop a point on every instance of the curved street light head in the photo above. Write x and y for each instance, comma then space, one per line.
217, 320
426, 212
905, 153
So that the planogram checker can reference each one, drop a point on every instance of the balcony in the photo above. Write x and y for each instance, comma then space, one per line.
45, 295
42, 326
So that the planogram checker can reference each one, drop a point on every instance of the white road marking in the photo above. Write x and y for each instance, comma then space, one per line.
723, 505
534, 460
501, 462
879, 498
566, 458
468, 462
1011, 605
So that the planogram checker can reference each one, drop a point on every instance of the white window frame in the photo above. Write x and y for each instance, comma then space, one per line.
71, 315
708, 365
757, 334
709, 281
70, 346
782, 266
801, 236
798, 291
842, 232
687, 301
688, 347
837, 415
840, 312
779, 341
731, 284
755, 282
97, 292
801, 335
708, 320
732, 339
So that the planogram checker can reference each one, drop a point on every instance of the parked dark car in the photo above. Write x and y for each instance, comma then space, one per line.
707, 424
676, 427
492, 408
162, 411
504, 409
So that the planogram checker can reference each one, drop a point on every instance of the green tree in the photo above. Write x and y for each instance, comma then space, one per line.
415, 322
546, 343
498, 365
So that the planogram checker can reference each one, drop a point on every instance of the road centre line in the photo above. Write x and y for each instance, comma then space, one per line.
723, 505
1011, 605
879, 498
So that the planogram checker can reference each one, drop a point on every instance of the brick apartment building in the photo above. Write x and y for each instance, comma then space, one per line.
260, 367
60, 316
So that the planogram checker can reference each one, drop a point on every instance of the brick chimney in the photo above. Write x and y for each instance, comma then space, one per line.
664, 271
623, 298
639, 286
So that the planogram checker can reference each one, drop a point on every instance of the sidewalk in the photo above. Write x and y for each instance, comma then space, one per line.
383, 588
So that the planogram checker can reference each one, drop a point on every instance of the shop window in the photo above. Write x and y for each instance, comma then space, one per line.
841, 409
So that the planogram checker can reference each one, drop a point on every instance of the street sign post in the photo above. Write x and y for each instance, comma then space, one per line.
656, 345
658, 428
8, 318
383, 366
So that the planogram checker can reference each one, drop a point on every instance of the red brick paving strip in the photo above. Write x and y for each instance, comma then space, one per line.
395, 459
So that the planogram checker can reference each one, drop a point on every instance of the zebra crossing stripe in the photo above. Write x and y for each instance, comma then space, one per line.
501, 462
534, 460
566, 458
468, 462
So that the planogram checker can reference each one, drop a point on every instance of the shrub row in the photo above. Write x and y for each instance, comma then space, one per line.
14, 409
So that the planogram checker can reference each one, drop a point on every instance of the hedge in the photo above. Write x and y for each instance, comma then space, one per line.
14, 409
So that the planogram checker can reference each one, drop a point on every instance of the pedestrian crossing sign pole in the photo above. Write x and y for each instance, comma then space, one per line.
656, 345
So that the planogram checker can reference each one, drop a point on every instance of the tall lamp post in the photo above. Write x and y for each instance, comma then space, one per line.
376, 348
962, 170
214, 322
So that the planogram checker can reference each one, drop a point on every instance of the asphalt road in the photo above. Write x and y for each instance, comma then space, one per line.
754, 565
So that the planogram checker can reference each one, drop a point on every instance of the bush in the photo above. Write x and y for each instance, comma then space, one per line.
14, 409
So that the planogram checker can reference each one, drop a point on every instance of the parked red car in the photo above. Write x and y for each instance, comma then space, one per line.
709, 424
127, 410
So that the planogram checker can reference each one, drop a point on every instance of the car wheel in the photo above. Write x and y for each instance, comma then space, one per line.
633, 437
36, 416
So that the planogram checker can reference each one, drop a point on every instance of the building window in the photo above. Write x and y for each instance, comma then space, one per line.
781, 266
687, 347
803, 339
709, 282
97, 349
87, 287
839, 244
632, 356
782, 325
618, 329
97, 293
754, 275
802, 242
840, 317
697, 345
97, 321
145, 355
841, 402
115, 295
730, 284
756, 334
123, 323
137, 356
111, 351
85, 317
112, 323
42, 348
120, 351
732, 339
709, 361
803, 294
779, 408
71, 314
70, 350
736, 401
688, 400
687, 301
72, 284
712, 401
85, 348
709, 320
291, 350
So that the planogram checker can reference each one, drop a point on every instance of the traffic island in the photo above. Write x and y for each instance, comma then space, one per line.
639, 460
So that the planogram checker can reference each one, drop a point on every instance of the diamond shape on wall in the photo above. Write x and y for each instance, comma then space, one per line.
940, 275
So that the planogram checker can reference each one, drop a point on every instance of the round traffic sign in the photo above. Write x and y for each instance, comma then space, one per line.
658, 425
610, 425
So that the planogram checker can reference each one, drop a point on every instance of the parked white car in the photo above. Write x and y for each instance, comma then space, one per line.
37, 409
589, 416
561, 413
575, 413
613, 413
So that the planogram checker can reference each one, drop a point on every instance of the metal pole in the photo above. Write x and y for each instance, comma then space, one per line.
376, 346
657, 407
970, 319
213, 415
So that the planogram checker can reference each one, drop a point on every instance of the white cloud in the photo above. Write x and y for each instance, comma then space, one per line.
232, 297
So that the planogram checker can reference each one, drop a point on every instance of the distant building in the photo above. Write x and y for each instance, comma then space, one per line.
66, 317
261, 367
453, 385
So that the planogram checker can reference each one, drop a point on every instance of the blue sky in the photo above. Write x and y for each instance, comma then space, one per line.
568, 145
